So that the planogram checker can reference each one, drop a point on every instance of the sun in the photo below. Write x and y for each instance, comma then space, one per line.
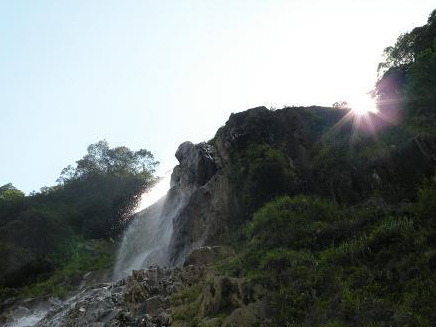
362, 105
363, 114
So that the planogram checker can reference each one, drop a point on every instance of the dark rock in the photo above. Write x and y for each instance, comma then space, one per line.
222, 294
196, 166
208, 255
153, 304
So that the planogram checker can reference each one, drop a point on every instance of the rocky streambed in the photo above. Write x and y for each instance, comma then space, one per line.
141, 299
194, 294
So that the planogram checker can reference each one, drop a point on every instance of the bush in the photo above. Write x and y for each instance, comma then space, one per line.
263, 174
292, 222
425, 208
328, 265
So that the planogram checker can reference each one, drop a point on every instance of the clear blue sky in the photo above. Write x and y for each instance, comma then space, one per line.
152, 74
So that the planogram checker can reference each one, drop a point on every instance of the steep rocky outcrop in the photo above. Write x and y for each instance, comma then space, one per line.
204, 174
204, 170
203, 220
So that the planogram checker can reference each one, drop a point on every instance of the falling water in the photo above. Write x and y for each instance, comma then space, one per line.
147, 239
158, 191
146, 242
28, 320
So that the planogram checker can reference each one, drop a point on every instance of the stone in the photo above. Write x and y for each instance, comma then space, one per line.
163, 319
222, 294
196, 166
246, 316
153, 304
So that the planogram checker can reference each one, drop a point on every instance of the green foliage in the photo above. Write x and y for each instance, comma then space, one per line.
185, 305
294, 222
330, 265
409, 72
9, 193
86, 256
101, 159
426, 204
263, 173
422, 85
365, 253
410, 46
11, 201
94, 200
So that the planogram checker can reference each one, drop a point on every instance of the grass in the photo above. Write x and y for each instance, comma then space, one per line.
185, 306
86, 256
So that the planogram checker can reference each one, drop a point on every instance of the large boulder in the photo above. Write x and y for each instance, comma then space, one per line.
196, 166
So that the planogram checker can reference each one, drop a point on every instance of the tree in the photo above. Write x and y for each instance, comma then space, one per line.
341, 105
408, 76
9, 192
101, 159
103, 189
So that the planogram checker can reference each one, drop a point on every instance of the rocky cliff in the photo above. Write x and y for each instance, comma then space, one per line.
257, 155
205, 171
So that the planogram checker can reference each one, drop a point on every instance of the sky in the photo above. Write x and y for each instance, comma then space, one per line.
153, 74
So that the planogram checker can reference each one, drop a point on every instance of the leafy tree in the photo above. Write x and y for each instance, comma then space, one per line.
341, 104
12, 201
101, 159
9, 193
408, 75
93, 200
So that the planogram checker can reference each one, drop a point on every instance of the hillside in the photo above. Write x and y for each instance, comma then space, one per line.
302, 216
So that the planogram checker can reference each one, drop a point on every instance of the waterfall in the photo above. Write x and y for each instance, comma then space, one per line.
147, 239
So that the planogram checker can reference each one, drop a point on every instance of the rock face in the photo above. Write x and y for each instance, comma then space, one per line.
200, 207
143, 299
203, 219
203, 175
196, 166
213, 202
204, 199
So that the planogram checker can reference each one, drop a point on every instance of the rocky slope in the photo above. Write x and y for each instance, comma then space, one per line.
205, 170
191, 290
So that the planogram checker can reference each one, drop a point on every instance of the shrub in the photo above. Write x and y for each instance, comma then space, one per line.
292, 222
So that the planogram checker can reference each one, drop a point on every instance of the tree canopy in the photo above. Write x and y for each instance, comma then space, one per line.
93, 200
101, 159
408, 74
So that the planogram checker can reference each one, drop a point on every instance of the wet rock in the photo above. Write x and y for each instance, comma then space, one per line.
94, 277
20, 312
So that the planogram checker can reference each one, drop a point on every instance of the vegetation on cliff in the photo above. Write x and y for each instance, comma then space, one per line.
345, 234
332, 221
